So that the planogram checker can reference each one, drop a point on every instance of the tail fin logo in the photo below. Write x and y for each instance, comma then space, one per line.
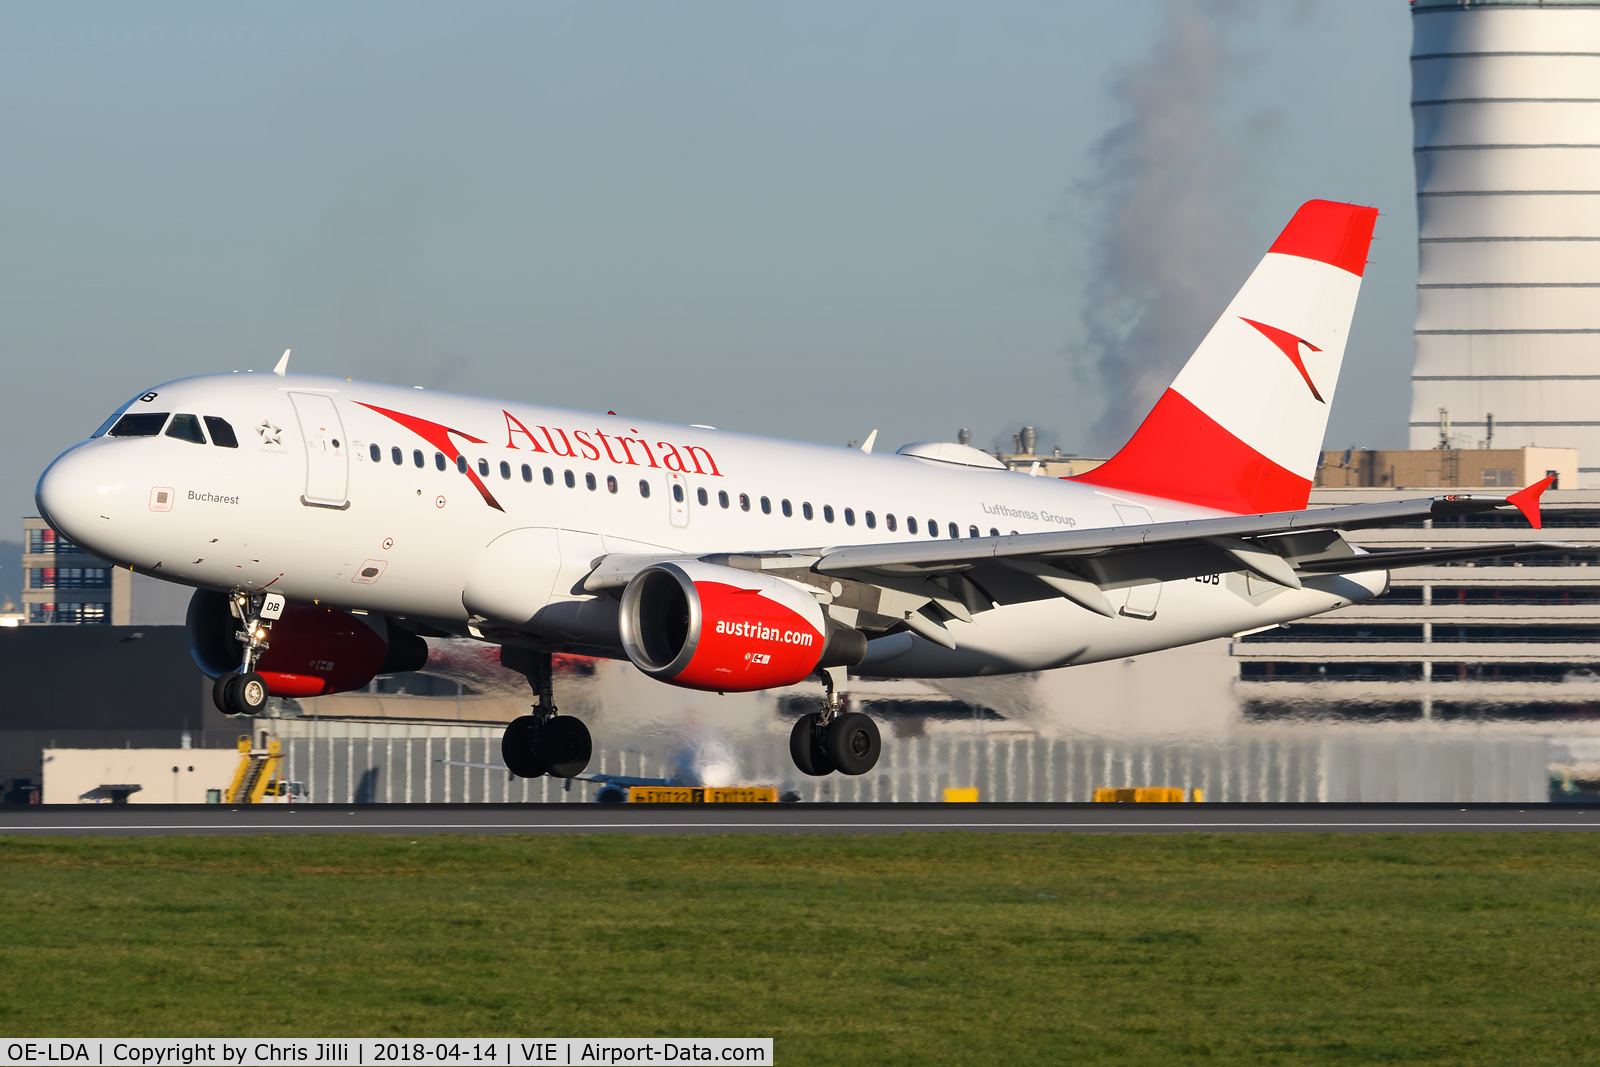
1289, 344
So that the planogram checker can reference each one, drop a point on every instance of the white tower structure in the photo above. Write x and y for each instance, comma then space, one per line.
1505, 99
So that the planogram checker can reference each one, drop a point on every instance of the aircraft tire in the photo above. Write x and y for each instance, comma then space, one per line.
245, 694
519, 748
854, 743
565, 742
809, 756
219, 692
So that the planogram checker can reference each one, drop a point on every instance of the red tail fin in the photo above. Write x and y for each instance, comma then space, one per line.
1241, 427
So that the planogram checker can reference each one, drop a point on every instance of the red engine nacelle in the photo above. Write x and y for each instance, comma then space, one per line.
704, 626
313, 651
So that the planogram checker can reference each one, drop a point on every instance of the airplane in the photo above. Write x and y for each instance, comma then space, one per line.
330, 526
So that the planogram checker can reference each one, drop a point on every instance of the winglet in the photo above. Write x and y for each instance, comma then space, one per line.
1527, 500
866, 446
283, 365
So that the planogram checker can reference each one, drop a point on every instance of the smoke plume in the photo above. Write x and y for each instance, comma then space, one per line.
1168, 241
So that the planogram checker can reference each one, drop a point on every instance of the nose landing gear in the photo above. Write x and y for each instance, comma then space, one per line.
834, 739
544, 742
244, 692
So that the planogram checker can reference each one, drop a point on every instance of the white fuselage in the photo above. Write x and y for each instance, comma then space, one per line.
302, 506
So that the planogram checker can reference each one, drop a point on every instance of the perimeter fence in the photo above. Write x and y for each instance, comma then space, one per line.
345, 761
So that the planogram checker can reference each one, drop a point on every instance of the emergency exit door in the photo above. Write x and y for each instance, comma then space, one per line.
327, 451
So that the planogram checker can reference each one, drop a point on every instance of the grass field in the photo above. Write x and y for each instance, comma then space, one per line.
953, 948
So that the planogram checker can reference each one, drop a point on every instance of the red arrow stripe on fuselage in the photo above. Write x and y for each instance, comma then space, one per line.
438, 436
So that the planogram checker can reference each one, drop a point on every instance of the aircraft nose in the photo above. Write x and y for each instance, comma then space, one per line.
79, 494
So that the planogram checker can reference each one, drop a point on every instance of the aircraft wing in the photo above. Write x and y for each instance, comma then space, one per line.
922, 584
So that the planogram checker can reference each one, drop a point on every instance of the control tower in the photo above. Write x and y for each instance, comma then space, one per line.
1506, 110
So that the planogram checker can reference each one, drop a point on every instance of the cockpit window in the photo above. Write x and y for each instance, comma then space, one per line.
221, 433
115, 415
186, 428
142, 424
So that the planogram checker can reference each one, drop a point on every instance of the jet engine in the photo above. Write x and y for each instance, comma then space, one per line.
313, 650
705, 626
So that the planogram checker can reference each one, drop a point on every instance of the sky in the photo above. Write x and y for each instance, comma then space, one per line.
808, 220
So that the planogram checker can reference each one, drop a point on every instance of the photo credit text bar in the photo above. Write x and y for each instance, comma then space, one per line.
365, 1052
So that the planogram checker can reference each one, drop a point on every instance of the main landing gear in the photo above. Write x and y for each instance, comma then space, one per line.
834, 739
544, 742
244, 692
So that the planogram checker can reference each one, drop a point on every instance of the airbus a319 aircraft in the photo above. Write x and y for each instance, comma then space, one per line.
328, 525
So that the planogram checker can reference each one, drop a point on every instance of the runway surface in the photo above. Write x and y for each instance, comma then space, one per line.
154, 819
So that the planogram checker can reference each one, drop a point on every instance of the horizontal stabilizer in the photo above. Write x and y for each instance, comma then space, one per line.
1426, 557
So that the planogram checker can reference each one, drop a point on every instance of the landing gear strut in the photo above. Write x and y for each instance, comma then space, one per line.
244, 692
544, 742
834, 739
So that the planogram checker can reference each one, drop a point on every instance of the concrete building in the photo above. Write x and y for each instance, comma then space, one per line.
1509, 639
1447, 468
1024, 456
63, 585
1506, 112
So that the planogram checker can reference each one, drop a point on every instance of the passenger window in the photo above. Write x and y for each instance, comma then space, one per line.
955, 531
221, 433
438, 460
416, 457
888, 520
527, 473
911, 524
549, 476
700, 495
827, 513
744, 501
974, 532
849, 517
187, 428
372, 450
993, 532
144, 424
722, 498
872, 520
394, 454
933, 527
461, 464
766, 506
677, 493
588, 480
505, 469
644, 488
788, 510
572, 482
611, 483
483, 468
805, 509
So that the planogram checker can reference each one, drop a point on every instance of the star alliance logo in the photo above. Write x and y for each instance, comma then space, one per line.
270, 434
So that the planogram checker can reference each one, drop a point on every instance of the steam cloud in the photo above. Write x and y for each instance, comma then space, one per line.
1168, 242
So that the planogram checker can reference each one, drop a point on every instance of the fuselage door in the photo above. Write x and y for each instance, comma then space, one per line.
327, 451
678, 498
